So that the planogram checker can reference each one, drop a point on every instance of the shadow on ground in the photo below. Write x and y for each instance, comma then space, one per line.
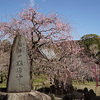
3, 89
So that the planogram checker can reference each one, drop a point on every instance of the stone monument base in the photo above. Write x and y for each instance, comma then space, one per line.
33, 95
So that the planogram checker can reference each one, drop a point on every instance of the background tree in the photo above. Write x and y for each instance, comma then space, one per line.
6, 45
93, 49
89, 41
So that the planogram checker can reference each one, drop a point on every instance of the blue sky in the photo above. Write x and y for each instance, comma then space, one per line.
83, 15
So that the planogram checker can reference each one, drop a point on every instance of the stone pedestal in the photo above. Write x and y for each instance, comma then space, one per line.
24, 96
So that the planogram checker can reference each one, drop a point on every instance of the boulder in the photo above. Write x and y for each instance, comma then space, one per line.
33, 95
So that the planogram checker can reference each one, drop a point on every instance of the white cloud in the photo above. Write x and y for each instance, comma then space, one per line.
32, 3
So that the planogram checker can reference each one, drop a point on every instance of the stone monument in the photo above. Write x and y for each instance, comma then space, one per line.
18, 84
19, 71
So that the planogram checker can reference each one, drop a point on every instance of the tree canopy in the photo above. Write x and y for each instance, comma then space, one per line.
89, 36
88, 40
5, 45
91, 43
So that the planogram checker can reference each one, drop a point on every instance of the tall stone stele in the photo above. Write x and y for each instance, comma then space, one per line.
19, 70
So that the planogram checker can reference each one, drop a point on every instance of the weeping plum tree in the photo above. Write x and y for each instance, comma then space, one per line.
43, 31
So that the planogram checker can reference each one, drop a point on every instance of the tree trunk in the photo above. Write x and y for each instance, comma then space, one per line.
1, 79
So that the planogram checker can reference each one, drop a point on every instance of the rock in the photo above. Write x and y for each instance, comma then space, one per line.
34, 95
19, 71
78, 95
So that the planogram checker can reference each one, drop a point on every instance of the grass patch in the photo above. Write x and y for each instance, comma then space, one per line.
77, 82
89, 85
2, 85
39, 80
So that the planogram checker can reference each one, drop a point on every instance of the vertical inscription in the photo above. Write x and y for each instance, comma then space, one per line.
19, 75
19, 47
19, 72
19, 63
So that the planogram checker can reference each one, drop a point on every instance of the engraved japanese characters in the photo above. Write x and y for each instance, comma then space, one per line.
19, 71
